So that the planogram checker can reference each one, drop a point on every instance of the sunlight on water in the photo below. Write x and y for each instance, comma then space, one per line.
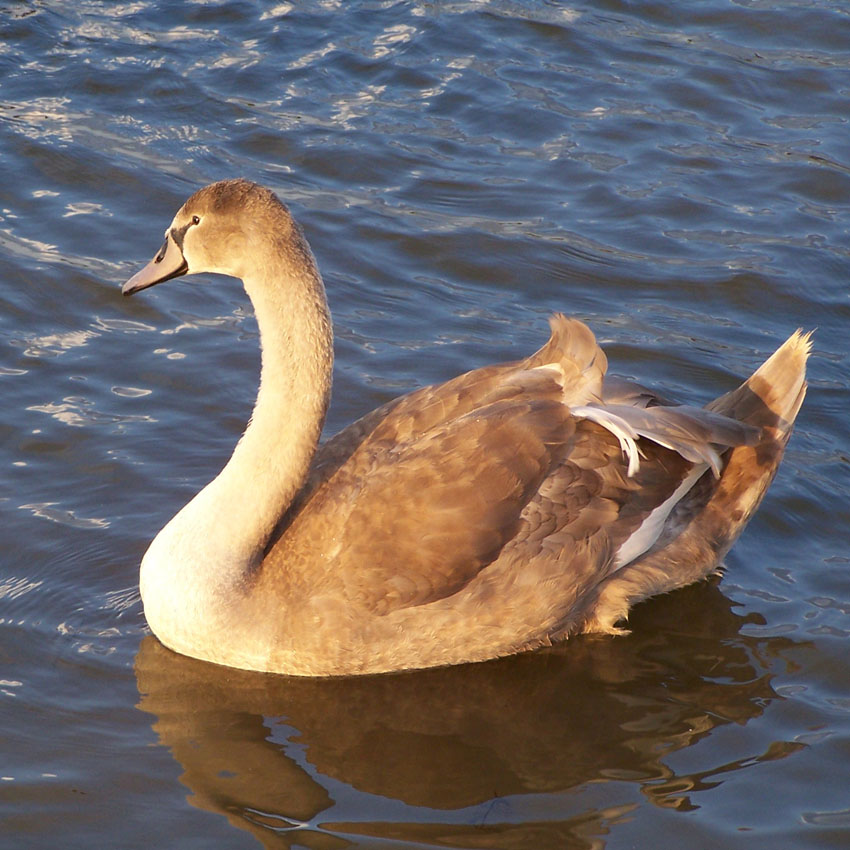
676, 175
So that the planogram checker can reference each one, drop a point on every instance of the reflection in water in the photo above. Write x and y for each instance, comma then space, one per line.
289, 759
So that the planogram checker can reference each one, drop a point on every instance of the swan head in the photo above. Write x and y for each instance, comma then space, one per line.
224, 228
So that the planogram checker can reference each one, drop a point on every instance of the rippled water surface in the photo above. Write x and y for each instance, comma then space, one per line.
677, 175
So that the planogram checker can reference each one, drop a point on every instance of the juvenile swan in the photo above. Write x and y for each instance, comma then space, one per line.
508, 508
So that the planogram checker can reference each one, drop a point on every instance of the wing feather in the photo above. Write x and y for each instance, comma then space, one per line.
465, 484
524, 463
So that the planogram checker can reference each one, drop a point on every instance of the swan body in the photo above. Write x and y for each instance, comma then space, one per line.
508, 508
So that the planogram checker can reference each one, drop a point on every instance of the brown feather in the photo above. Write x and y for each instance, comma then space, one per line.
509, 501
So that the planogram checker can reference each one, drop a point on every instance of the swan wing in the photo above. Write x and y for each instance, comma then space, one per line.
409, 503
431, 514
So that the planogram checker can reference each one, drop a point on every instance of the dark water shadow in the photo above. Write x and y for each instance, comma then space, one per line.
270, 752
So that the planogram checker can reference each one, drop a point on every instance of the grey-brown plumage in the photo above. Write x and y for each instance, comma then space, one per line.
509, 507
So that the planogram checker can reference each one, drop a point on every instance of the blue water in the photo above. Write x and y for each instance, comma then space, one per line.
677, 175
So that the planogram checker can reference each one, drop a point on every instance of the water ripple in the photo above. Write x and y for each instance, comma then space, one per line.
676, 174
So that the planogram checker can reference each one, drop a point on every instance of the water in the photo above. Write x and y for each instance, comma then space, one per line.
675, 174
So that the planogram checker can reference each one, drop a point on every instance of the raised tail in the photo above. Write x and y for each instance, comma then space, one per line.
704, 526
772, 395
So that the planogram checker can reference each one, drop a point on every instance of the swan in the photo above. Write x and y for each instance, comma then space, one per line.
506, 509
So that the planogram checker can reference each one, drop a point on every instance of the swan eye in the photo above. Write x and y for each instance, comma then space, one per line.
196, 219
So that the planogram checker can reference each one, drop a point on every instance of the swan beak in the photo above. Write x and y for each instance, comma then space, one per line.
168, 263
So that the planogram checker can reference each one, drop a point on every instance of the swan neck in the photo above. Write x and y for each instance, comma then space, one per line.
272, 460
223, 532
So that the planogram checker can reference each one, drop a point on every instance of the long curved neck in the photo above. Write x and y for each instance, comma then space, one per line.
214, 541
271, 461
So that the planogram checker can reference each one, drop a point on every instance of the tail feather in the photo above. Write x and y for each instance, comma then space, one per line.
705, 524
771, 397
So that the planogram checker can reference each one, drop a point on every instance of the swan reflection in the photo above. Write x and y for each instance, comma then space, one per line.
467, 754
